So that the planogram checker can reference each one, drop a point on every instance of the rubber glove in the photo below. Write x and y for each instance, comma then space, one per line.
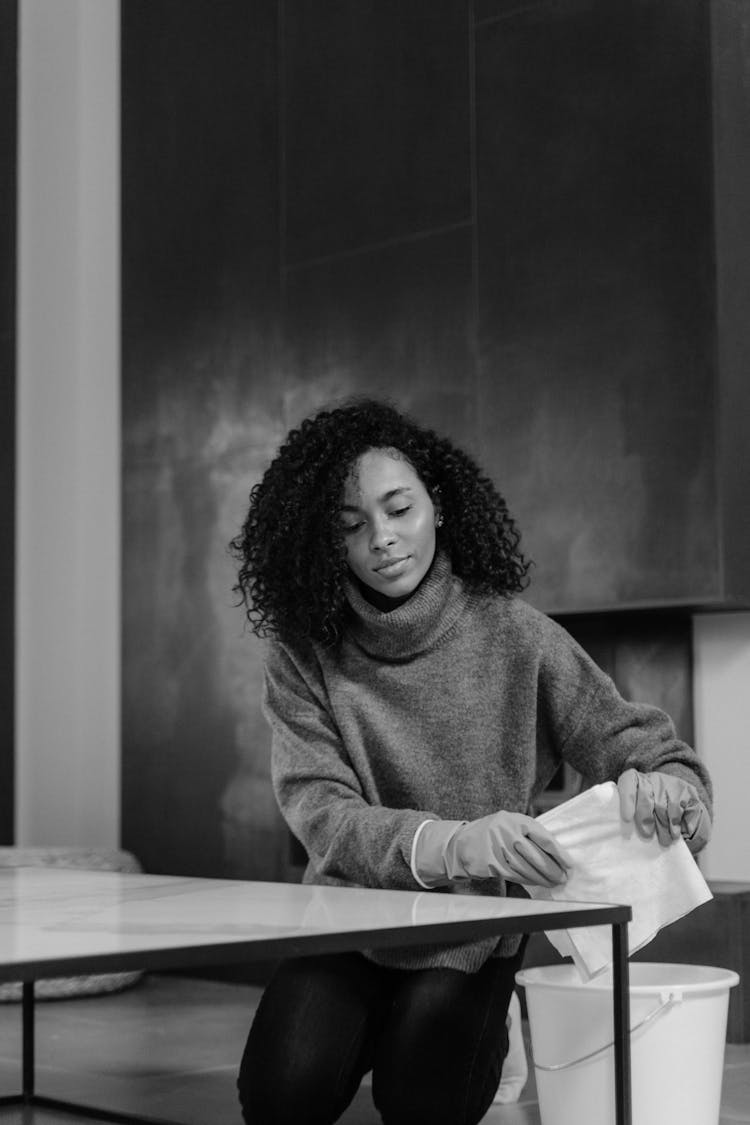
666, 805
506, 844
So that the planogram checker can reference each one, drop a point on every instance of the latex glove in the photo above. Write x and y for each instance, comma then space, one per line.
507, 844
665, 805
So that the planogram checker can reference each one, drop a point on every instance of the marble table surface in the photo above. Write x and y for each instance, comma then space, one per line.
55, 919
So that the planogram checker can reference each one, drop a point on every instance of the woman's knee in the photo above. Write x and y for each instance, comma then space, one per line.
291, 1081
441, 1055
307, 1047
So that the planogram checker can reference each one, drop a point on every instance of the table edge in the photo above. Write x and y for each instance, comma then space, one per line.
298, 945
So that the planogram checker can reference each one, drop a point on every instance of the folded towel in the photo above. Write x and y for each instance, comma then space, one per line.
614, 863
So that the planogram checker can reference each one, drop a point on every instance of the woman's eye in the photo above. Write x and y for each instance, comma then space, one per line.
348, 528
400, 511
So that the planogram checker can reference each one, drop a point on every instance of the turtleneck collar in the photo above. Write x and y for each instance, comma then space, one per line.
411, 628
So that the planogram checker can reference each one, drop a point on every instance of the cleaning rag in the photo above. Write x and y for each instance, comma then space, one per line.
614, 863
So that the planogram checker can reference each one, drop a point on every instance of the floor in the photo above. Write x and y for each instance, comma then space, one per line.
169, 1048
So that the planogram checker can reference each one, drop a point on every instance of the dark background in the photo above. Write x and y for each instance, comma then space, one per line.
524, 222
514, 219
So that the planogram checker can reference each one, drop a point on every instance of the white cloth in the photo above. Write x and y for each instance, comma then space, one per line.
614, 863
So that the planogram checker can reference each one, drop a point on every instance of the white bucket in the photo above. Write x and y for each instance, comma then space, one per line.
678, 1022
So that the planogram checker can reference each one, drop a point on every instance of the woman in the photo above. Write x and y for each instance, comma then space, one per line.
417, 709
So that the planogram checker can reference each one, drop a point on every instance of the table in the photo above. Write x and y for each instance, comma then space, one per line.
56, 922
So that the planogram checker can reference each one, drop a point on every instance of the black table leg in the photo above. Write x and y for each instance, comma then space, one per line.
27, 1003
621, 992
29, 1097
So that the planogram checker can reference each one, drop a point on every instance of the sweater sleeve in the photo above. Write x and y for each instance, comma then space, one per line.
599, 732
347, 840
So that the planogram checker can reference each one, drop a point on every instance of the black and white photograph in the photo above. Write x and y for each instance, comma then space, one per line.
375, 559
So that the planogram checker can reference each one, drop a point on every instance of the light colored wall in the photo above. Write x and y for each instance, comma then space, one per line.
68, 552
722, 734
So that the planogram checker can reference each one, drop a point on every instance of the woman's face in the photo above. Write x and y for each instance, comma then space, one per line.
389, 523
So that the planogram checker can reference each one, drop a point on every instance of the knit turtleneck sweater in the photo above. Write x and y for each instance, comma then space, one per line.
415, 626
454, 705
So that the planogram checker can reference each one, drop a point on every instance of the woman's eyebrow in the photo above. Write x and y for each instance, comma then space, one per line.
394, 492
382, 499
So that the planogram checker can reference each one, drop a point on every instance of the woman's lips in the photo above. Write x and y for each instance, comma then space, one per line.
393, 568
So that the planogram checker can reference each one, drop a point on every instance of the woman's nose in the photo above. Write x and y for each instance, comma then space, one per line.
382, 536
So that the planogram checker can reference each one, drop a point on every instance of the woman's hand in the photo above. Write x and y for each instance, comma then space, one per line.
507, 844
664, 805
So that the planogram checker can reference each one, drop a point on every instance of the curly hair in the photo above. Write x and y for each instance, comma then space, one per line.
291, 548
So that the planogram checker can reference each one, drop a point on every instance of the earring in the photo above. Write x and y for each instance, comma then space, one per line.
439, 521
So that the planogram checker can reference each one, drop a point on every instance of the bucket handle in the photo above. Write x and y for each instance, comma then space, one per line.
670, 1001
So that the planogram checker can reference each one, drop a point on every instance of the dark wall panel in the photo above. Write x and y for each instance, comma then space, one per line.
487, 10
596, 299
201, 408
393, 321
8, 179
260, 164
731, 54
376, 118
308, 212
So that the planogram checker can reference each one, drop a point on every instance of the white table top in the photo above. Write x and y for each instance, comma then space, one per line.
55, 920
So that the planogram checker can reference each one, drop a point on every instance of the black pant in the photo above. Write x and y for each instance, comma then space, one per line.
435, 1040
